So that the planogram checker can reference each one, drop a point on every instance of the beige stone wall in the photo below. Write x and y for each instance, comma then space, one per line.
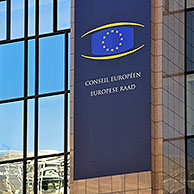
167, 104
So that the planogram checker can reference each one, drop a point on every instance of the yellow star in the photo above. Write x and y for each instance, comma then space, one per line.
112, 31
102, 42
120, 34
120, 43
108, 33
107, 49
104, 37
121, 38
104, 46
112, 50
117, 48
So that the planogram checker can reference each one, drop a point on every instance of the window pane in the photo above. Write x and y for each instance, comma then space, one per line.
190, 164
51, 175
51, 125
31, 67
3, 25
69, 60
11, 179
31, 17
30, 177
64, 7
30, 138
46, 16
11, 70
190, 3
11, 130
17, 19
190, 41
51, 64
190, 105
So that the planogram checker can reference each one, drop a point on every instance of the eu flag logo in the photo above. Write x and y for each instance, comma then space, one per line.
112, 41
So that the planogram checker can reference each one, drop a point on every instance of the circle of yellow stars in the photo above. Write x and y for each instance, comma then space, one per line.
120, 41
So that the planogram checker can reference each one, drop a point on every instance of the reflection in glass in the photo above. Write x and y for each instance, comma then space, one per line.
30, 177
190, 104
31, 17
11, 178
31, 67
190, 41
51, 64
69, 60
3, 20
190, 3
51, 125
17, 19
30, 127
11, 130
46, 16
190, 165
63, 14
51, 175
11, 70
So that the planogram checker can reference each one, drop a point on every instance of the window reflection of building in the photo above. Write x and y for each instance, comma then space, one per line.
34, 95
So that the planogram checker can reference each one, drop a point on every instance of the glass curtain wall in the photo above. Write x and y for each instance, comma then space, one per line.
34, 96
190, 95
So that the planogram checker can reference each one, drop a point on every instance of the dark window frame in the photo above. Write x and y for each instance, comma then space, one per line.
37, 96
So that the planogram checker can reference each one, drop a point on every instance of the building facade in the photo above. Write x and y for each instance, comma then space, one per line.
37, 82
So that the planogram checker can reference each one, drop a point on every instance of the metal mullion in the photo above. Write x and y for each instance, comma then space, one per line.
54, 15
33, 37
11, 161
185, 78
32, 97
36, 100
66, 114
25, 98
8, 19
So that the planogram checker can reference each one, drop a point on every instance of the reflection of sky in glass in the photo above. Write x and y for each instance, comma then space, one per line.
51, 64
51, 123
11, 119
46, 16
17, 18
31, 17
30, 127
2, 20
64, 14
69, 59
31, 67
11, 70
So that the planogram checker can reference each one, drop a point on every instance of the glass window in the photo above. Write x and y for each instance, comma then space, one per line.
46, 16
64, 7
51, 125
69, 59
11, 178
17, 19
190, 104
30, 127
11, 70
190, 41
51, 64
190, 165
30, 177
31, 17
11, 130
51, 175
190, 3
31, 67
3, 25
